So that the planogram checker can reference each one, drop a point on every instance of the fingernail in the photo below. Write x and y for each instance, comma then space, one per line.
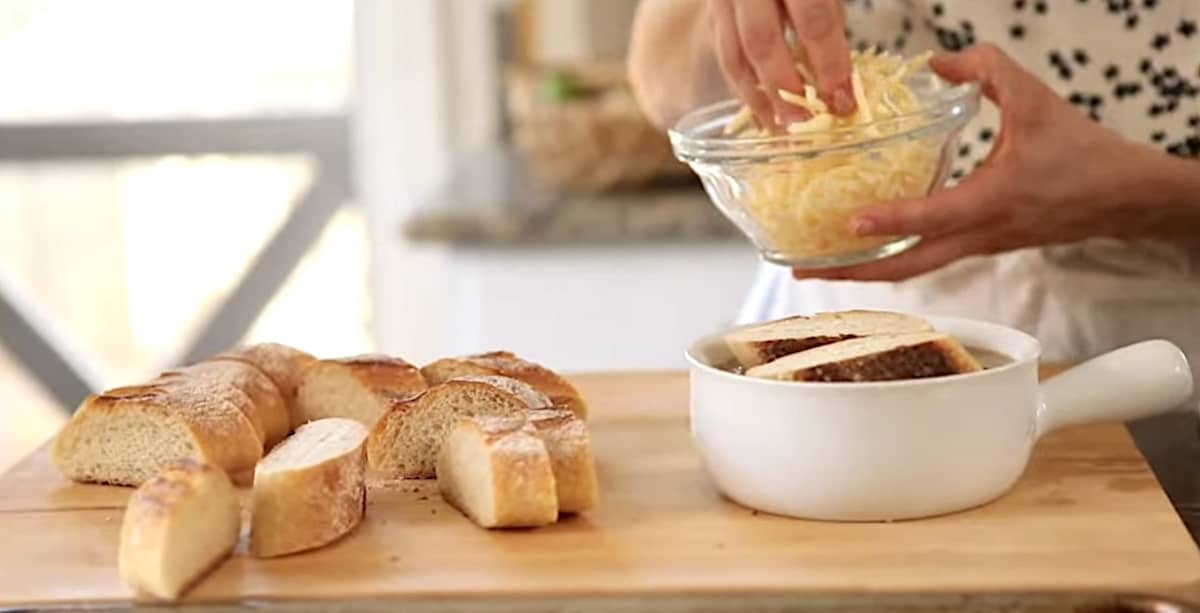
843, 100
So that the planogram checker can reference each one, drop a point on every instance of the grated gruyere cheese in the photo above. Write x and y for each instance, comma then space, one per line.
803, 205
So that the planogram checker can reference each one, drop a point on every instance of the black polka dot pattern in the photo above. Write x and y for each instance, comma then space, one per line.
1158, 81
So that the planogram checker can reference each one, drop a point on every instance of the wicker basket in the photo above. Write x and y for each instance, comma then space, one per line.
592, 139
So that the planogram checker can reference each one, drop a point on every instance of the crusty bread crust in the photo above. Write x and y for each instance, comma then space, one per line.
266, 400
305, 496
753, 353
507, 364
217, 432
386, 374
148, 542
404, 443
566, 439
532, 398
216, 388
769, 341
518, 471
284, 365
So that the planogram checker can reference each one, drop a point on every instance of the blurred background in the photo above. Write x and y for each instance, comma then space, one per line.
415, 177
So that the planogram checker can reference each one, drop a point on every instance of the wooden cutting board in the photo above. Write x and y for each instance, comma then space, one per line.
1088, 515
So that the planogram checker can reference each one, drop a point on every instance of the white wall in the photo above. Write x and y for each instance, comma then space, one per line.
426, 78
402, 145
618, 307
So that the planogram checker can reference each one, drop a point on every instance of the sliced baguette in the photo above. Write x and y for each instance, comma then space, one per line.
284, 365
127, 435
874, 358
770, 341
310, 490
267, 405
361, 387
498, 473
178, 525
406, 440
526, 393
217, 389
566, 440
506, 364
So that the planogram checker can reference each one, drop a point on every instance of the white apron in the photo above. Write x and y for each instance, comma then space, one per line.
1080, 299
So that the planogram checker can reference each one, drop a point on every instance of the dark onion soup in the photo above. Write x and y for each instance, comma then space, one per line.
988, 358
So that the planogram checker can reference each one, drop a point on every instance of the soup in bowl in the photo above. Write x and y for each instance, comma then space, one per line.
890, 450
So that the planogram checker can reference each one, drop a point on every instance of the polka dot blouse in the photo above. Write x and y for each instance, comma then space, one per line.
1133, 65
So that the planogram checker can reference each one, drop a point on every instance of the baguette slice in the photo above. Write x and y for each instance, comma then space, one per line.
526, 393
267, 406
310, 490
566, 439
217, 388
507, 364
405, 442
178, 525
284, 365
772, 340
361, 387
127, 435
874, 358
498, 473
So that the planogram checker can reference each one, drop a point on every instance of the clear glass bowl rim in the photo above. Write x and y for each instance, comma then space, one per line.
950, 108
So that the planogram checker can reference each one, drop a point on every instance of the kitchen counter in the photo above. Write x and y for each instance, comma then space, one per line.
492, 204
1084, 530
491, 198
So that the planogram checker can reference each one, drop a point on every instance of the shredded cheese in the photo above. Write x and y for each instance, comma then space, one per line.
739, 121
817, 124
802, 205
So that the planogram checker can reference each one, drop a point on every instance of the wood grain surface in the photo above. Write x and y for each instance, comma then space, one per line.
1087, 515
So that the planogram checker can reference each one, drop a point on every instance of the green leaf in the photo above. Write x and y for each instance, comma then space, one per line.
559, 86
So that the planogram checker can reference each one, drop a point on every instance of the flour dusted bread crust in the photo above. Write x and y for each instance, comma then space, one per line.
507, 364
267, 408
498, 473
361, 387
405, 442
874, 358
524, 392
770, 341
127, 435
284, 365
566, 440
177, 525
310, 490
217, 389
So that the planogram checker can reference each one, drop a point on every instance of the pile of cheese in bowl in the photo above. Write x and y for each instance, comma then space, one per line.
793, 194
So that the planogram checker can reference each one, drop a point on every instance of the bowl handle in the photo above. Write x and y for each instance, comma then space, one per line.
1138, 380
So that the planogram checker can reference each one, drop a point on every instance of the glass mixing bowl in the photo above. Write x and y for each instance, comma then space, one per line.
794, 194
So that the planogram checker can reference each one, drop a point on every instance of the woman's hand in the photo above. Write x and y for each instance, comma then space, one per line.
1053, 176
748, 39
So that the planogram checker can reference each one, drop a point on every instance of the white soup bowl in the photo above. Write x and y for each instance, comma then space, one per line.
896, 450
